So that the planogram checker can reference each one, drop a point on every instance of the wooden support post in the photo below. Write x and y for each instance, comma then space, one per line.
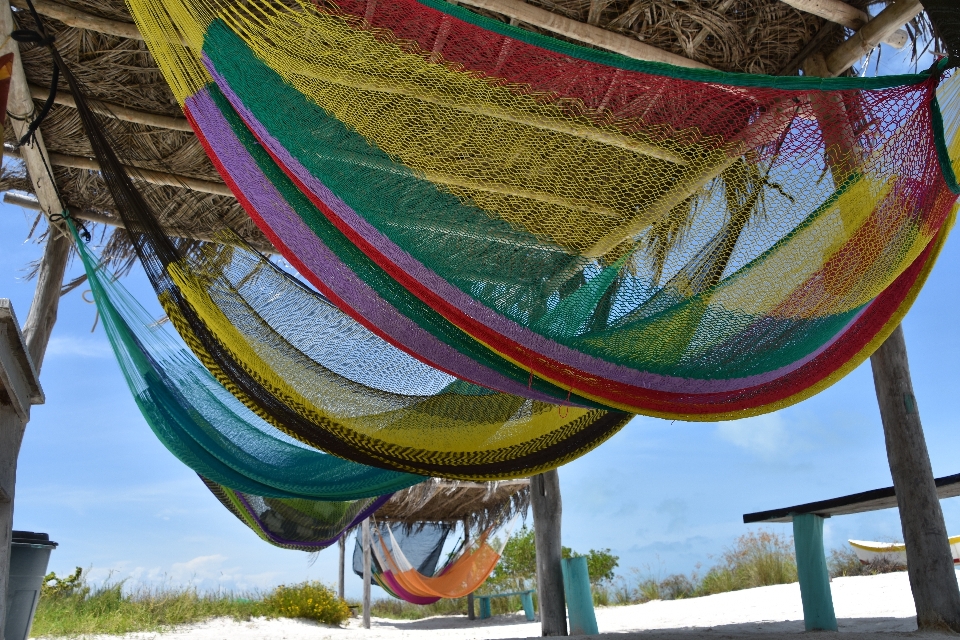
466, 544
547, 511
19, 390
933, 579
365, 541
43, 311
812, 572
340, 575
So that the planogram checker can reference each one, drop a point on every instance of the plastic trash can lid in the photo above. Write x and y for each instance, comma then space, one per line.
29, 537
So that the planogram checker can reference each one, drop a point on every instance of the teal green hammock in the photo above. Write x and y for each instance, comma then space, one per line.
205, 426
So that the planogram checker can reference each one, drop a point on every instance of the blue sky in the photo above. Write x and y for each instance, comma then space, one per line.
664, 496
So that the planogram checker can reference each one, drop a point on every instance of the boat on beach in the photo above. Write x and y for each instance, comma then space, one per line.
893, 552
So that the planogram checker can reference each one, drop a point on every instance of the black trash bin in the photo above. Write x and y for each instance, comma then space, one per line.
29, 555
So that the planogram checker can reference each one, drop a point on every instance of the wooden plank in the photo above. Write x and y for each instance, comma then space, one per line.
888, 21
81, 20
583, 32
874, 500
19, 384
137, 173
116, 111
840, 12
340, 573
367, 575
547, 511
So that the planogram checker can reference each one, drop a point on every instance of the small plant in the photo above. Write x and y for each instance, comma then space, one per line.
56, 587
310, 600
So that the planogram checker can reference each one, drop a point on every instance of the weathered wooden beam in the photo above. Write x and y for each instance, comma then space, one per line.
547, 511
367, 576
27, 202
117, 111
466, 545
81, 20
43, 310
583, 32
933, 579
342, 543
146, 175
929, 560
871, 34
847, 15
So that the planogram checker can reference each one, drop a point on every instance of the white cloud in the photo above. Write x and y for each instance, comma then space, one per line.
83, 347
764, 436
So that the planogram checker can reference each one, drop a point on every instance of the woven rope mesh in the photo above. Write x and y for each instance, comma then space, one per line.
464, 572
303, 525
422, 545
285, 351
207, 428
675, 242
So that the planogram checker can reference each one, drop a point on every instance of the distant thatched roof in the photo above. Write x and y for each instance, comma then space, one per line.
485, 503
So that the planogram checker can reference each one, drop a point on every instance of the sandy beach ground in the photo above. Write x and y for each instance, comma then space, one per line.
867, 607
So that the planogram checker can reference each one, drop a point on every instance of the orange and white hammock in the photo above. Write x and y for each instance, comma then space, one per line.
460, 577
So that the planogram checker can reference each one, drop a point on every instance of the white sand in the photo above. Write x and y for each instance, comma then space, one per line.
865, 606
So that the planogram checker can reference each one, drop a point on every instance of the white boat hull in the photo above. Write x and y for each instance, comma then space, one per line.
892, 552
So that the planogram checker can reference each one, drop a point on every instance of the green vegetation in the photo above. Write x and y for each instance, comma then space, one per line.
69, 606
844, 563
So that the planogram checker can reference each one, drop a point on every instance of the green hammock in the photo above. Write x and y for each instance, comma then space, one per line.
207, 428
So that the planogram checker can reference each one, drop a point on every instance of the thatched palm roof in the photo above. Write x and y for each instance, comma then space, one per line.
755, 36
484, 503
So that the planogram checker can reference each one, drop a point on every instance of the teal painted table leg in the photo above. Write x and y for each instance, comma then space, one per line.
485, 607
576, 589
818, 614
527, 599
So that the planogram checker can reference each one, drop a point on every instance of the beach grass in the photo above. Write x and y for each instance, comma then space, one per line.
112, 609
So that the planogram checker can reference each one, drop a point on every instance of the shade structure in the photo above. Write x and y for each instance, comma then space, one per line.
681, 243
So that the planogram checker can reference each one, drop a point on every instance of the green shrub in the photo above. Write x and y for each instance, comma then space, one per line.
310, 600
844, 562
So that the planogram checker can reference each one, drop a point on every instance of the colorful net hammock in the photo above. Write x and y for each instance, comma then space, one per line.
309, 370
301, 525
462, 575
683, 243
422, 545
208, 429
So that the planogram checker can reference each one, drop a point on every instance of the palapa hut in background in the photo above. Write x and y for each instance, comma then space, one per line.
474, 506
99, 41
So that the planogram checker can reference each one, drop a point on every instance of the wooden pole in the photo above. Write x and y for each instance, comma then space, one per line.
137, 173
933, 578
840, 12
466, 544
547, 511
116, 111
19, 390
43, 310
340, 574
365, 530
